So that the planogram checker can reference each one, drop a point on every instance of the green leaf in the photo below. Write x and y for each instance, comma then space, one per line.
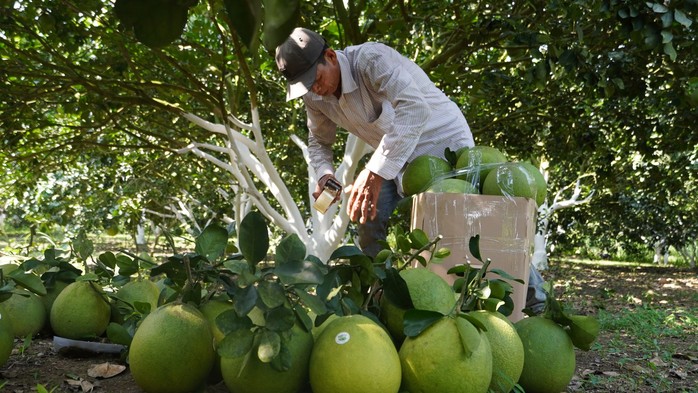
254, 237
269, 345
680, 17
127, 266
245, 299
290, 249
246, 18
474, 246
280, 18
395, 290
345, 252
29, 281
229, 321
212, 242
108, 259
83, 246
155, 23
469, 335
416, 321
313, 302
280, 319
670, 51
271, 293
118, 334
418, 238
506, 275
236, 343
299, 272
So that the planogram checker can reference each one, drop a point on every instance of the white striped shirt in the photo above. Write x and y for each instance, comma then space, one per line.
390, 103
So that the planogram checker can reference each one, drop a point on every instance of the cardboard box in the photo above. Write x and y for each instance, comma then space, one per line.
506, 226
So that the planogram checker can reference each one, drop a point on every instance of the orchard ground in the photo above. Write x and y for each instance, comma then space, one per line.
648, 314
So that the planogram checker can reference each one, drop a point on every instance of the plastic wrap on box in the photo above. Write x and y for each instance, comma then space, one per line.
506, 226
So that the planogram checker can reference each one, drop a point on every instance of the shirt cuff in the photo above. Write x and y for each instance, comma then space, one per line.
381, 166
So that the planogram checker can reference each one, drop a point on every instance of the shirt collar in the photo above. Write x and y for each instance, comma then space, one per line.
348, 82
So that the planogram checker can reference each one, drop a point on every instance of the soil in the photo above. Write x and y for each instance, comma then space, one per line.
610, 366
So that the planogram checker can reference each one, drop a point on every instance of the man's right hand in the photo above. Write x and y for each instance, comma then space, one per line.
321, 187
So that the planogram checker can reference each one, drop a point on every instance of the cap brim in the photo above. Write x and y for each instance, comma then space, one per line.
300, 86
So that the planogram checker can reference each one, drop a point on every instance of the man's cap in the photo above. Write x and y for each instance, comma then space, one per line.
297, 59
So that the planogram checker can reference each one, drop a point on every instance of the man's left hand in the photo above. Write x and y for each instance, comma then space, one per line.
363, 197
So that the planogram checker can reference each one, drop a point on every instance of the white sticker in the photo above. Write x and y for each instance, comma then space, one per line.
342, 338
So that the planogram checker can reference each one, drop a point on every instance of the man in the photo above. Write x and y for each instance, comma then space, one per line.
383, 98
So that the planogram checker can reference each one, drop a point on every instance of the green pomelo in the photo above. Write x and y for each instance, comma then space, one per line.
354, 355
52, 292
421, 172
541, 184
478, 161
172, 350
317, 330
248, 374
428, 291
510, 180
7, 338
507, 349
457, 186
549, 358
26, 313
80, 311
436, 361
139, 291
211, 310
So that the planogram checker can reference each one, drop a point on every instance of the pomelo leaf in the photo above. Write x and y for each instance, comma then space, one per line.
416, 321
395, 289
236, 343
240, 267
280, 319
229, 321
299, 272
127, 266
280, 18
269, 345
118, 334
212, 242
469, 335
506, 275
290, 249
108, 259
271, 293
474, 246
418, 238
30, 281
246, 17
254, 237
345, 252
245, 299
313, 302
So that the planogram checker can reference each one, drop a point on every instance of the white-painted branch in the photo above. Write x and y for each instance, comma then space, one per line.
540, 242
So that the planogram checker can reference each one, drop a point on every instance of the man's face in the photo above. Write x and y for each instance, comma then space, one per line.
328, 76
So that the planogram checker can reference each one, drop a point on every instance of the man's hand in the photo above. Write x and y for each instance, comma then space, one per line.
364, 197
321, 187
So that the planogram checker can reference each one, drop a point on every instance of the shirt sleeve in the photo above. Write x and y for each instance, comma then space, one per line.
322, 135
390, 76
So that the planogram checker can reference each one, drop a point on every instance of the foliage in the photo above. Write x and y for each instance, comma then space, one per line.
91, 117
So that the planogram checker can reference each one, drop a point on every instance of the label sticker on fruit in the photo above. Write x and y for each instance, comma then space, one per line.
342, 338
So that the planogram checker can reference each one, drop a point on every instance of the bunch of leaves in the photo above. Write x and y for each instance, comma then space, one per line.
280, 288
354, 281
39, 274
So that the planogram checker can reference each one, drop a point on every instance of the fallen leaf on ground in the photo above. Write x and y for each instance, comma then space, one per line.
105, 370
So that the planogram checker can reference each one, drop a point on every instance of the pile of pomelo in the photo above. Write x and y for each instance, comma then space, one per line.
176, 346
477, 170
